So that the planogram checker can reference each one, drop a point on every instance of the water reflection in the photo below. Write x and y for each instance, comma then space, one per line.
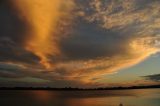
150, 97
42, 95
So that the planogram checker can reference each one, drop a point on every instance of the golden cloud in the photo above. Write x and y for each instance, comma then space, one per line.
43, 17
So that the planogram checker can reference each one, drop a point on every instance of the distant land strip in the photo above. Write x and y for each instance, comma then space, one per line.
71, 89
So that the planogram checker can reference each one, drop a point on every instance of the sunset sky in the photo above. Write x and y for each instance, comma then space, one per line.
79, 43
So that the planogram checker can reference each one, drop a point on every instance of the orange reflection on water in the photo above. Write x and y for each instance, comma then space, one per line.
43, 96
111, 101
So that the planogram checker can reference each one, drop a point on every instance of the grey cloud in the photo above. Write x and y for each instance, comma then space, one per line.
11, 25
10, 71
154, 77
88, 41
10, 51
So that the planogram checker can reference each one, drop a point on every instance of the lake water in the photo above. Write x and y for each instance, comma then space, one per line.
141, 97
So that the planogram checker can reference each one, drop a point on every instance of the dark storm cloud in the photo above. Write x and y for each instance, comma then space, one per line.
11, 26
89, 42
12, 35
155, 77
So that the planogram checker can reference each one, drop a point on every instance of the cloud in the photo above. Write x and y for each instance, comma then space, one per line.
76, 42
42, 19
155, 77
11, 51
106, 39
19, 75
123, 13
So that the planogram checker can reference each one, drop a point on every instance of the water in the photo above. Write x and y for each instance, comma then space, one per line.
142, 97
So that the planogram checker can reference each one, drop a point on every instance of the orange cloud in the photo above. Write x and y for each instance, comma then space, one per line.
43, 17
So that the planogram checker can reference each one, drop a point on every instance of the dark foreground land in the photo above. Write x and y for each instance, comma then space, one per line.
70, 88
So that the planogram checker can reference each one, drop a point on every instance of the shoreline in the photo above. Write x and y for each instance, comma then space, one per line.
80, 89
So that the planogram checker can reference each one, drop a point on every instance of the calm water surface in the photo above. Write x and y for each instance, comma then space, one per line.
142, 97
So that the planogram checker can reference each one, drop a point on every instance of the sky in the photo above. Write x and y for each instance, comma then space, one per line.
79, 43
